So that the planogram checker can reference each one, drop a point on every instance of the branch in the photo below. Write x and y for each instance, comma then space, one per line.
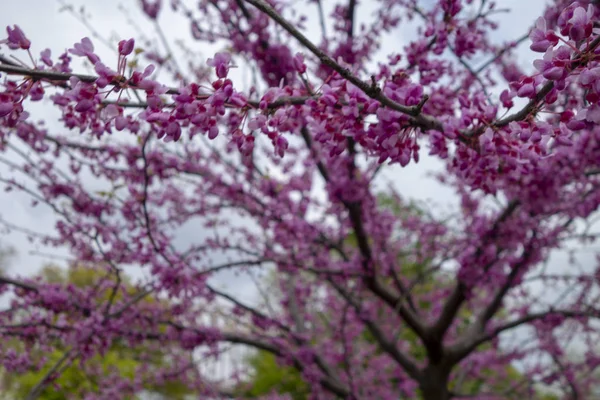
501, 53
350, 18
424, 121
457, 297
58, 78
386, 345
36, 390
562, 369
308, 141
8, 281
485, 337
533, 103
496, 302
322, 19
38, 74
245, 11
327, 382
492, 308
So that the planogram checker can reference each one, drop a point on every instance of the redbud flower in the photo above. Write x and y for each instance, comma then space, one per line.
120, 122
36, 92
506, 98
553, 66
541, 38
299, 63
576, 22
527, 87
588, 76
126, 47
105, 74
5, 109
16, 38
85, 49
221, 63
213, 132
486, 141
45, 57
151, 9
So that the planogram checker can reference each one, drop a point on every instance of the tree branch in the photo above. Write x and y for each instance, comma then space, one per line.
386, 345
424, 121
487, 336
457, 297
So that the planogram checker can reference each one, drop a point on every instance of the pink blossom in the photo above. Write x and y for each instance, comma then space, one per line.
45, 57
126, 47
85, 49
576, 21
151, 7
542, 39
373, 294
16, 38
221, 64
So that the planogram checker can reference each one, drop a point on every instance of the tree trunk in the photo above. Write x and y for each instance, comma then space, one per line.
434, 384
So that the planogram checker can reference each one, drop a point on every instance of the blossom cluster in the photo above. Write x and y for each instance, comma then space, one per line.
375, 296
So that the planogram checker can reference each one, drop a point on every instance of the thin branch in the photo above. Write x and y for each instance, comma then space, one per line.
37, 389
501, 53
562, 369
493, 333
38, 74
327, 382
350, 18
8, 281
533, 103
457, 297
60, 77
371, 90
496, 302
385, 344
321, 19
167, 46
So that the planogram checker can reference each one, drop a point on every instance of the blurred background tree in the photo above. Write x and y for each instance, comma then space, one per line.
121, 359
267, 375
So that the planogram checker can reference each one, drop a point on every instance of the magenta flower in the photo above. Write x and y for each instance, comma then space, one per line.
220, 63
506, 98
555, 63
151, 8
126, 47
299, 63
5, 108
576, 22
45, 57
541, 38
16, 38
85, 49
105, 74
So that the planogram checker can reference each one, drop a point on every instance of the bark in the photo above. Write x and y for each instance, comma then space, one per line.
434, 382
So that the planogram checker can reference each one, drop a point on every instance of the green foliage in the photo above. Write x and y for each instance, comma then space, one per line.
268, 376
120, 360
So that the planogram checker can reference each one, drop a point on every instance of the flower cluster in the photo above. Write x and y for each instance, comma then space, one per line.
374, 295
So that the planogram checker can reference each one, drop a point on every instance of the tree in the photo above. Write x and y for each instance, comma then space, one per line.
277, 176
267, 375
77, 380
